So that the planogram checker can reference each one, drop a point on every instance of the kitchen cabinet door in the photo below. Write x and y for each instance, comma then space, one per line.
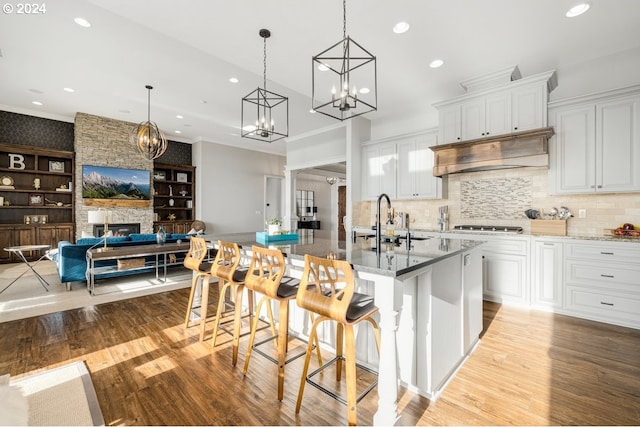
529, 108
415, 168
486, 116
573, 150
450, 126
596, 148
379, 170
547, 273
618, 145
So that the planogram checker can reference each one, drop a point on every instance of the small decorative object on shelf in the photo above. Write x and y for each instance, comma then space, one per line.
36, 199
171, 191
6, 183
161, 236
171, 217
184, 193
181, 177
36, 183
160, 175
171, 202
56, 166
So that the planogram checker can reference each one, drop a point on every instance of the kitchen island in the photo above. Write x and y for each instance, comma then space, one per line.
430, 306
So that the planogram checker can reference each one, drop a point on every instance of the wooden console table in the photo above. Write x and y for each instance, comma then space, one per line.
129, 252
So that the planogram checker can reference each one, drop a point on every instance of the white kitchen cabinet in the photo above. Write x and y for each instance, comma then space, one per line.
486, 116
547, 273
528, 107
602, 282
379, 164
596, 148
415, 178
506, 274
514, 107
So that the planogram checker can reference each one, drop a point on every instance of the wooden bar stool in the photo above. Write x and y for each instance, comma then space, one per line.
266, 276
226, 268
194, 260
327, 288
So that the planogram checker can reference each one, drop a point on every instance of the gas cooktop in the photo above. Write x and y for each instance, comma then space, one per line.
489, 228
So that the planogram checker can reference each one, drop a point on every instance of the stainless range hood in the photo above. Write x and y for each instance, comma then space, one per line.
529, 148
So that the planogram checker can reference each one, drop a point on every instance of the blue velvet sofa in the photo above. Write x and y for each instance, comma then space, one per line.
71, 260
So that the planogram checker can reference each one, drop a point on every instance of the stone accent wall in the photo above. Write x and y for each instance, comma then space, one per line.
105, 142
511, 191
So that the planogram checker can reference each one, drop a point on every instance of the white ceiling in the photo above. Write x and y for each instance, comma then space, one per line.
188, 49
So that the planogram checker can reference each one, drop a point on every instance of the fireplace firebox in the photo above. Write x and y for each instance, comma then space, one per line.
116, 229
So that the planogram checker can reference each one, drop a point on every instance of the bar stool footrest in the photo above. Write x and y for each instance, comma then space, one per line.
334, 395
290, 359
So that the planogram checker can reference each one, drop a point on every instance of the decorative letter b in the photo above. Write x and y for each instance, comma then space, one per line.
16, 161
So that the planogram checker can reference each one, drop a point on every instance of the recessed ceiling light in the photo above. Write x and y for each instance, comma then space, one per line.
36, 91
364, 90
37, 103
401, 27
234, 80
577, 10
177, 131
179, 117
68, 89
82, 22
125, 111
436, 63
312, 111
323, 67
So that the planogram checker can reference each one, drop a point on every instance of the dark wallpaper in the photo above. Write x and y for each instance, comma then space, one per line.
20, 129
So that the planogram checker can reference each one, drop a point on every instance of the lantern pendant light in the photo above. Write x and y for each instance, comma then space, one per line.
265, 114
344, 78
147, 138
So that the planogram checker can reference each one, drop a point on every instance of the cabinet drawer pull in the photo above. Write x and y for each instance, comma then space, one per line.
606, 253
609, 276
606, 303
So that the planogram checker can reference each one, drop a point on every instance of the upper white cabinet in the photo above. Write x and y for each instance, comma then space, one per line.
596, 147
486, 116
415, 178
506, 108
401, 167
379, 163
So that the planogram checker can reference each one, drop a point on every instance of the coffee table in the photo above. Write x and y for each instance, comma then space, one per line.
128, 252
19, 251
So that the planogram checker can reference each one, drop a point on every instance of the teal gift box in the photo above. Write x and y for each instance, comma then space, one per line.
264, 238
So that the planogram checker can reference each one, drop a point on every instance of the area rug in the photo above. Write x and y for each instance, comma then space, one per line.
62, 396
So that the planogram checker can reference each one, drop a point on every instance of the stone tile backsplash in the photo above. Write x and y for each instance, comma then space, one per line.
500, 197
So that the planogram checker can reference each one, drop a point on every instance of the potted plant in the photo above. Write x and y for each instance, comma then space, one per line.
273, 226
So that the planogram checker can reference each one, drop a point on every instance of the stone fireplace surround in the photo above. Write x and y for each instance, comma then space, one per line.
105, 142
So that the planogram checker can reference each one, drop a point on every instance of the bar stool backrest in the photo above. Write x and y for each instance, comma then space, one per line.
226, 261
196, 254
266, 271
326, 288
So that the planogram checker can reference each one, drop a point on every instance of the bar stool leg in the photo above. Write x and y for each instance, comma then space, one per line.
223, 285
237, 321
204, 304
350, 361
303, 379
339, 350
283, 340
194, 283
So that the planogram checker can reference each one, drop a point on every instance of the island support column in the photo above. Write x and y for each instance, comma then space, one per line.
388, 299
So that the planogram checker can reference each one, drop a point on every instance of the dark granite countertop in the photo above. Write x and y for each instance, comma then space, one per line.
393, 260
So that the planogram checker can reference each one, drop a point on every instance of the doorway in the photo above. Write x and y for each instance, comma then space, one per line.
273, 197
342, 212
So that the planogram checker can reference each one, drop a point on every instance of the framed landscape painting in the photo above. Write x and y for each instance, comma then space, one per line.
104, 182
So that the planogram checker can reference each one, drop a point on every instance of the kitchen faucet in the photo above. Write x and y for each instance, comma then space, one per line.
378, 233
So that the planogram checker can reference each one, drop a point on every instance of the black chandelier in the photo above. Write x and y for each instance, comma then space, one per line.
146, 137
265, 115
344, 78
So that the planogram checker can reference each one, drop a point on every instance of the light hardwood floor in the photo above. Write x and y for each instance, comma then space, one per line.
532, 368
